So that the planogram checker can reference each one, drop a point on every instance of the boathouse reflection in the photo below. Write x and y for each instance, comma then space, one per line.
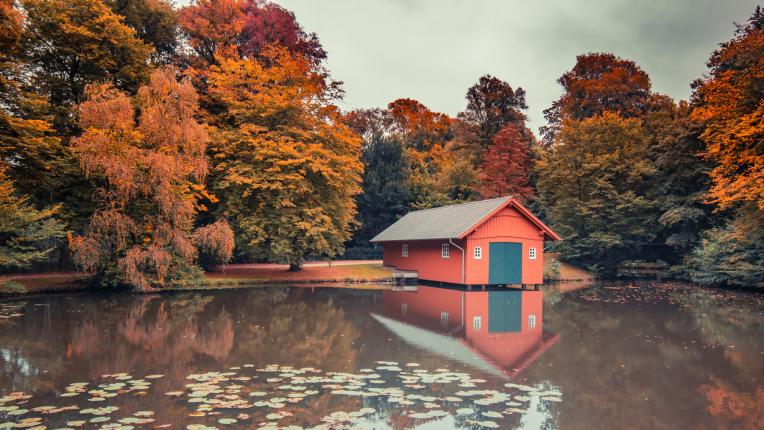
499, 332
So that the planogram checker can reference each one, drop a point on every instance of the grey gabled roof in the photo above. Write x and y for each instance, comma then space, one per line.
446, 222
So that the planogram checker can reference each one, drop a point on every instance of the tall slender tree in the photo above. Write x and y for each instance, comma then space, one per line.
508, 165
385, 195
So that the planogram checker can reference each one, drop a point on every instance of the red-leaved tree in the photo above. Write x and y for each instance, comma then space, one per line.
507, 165
152, 167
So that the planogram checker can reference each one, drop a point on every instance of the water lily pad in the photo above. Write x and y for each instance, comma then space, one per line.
491, 414
100, 419
227, 421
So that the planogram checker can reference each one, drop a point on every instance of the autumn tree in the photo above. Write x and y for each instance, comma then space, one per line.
594, 184
71, 43
152, 168
418, 127
63, 46
372, 125
599, 82
286, 169
508, 165
155, 22
491, 105
27, 139
268, 23
245, 28
27, 235
213, 28
729, 103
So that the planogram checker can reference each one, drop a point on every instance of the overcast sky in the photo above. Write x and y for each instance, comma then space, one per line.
433, 50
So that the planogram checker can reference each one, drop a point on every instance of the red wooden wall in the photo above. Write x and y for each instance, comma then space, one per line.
506, 226
424, 257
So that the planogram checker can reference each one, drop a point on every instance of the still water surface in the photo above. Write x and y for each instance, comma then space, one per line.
615, 355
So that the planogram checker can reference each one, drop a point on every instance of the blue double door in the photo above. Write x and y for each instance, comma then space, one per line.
505, 263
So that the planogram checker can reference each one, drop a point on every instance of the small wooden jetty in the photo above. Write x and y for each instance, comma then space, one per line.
402, 276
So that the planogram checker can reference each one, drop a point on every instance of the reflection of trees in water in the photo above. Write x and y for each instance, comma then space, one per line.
302, 334
732, 409
734, 322
622, 364
175, 335
656, 363
157, 332
151, 332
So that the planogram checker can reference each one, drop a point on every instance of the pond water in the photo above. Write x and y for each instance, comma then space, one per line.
614, 355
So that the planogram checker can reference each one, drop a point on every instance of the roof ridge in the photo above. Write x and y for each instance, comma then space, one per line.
461, 204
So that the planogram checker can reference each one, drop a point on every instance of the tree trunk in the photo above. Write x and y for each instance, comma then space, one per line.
295, 267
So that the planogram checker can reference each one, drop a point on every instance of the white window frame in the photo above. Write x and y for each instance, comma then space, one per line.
532, 321
532, 253
477, 253
444, 319
405, 250
404, 309
477, 322
445, 251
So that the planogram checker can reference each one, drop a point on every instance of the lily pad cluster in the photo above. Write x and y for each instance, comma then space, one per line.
11, 310
268, 398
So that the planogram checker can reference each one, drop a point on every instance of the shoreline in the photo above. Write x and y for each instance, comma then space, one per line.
361, 274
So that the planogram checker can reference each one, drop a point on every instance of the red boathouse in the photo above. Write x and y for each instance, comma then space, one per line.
488, 242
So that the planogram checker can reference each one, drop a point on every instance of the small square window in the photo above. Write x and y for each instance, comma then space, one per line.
405, 251
478, 253
445, 251
476, 323
444, 319
531, 321
532, 253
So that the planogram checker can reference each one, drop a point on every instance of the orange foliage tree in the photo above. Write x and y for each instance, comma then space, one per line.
418, 127
730, 102
508, 164
599, 82
213, 27
151, 167
286, 168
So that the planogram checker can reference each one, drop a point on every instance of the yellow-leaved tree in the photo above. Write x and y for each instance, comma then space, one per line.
151, 167
285, 168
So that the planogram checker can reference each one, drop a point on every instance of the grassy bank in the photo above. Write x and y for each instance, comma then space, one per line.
234, 276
